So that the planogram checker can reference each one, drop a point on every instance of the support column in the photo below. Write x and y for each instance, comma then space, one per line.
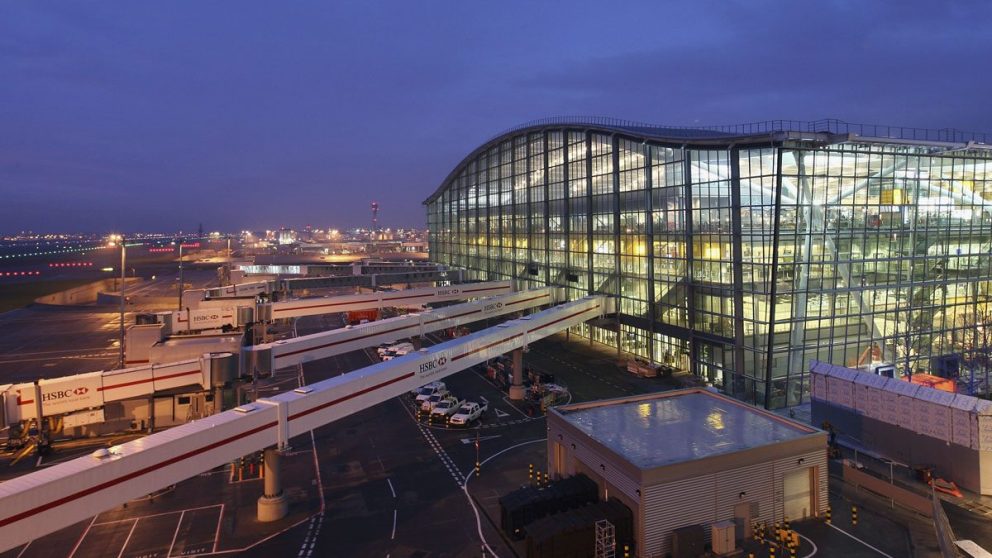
517, 387
273, 505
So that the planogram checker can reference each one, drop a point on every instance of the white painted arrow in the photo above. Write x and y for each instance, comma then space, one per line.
501, 414
472, 440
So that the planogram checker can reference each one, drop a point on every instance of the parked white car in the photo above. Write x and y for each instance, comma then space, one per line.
469, 411
432, 401
416, 392
446, 407
429, 391
397, 350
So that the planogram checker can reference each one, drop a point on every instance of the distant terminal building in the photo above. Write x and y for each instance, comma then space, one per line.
740, 254
689, 463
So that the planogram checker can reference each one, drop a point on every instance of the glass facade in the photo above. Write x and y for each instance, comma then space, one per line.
741, 259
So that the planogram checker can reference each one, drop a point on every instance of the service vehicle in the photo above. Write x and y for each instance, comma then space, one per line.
469, 411
396, 353
426, 393
446, 407
416, 392
429, 403
393, 351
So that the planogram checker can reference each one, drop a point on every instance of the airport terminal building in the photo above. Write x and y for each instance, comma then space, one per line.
740, 254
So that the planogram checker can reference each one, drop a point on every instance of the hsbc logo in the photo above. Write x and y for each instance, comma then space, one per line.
61, 394
493, 307
431, 367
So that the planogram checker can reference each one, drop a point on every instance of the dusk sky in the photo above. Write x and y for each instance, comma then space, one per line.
156, 116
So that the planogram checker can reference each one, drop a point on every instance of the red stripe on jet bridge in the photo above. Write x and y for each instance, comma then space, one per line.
102, 486
519, 334
146, 380
151, 468
453, 317
485, 289
562, 319
333, 343
526, 300
351, 396
390, 299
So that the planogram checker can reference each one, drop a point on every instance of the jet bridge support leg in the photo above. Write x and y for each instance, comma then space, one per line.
517, 390
273, 504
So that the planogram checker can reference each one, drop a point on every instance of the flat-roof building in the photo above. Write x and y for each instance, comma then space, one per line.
691, 457
741, 253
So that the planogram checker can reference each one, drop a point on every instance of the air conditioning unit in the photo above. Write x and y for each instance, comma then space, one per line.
722, 533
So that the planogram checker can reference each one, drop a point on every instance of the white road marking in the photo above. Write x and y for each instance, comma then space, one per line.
391, 487
471, 502
217, 532
467, 441
811, 543
176, 534
505, 398
501, 414
83, 536
129, 533
393, 537
859, 540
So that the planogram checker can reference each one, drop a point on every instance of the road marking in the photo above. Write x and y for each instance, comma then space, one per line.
501, 414
129, 533
467, 441
176, 534
859, 540
23, 550
217, 531
391, 487
478, 519
81, 537
811, 543
147, 516
393, 537
507, 400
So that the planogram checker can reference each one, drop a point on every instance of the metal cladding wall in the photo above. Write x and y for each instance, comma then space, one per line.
710, 498
697, 491
909, 423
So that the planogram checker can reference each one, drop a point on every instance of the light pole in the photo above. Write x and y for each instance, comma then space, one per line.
120, 238
180, 242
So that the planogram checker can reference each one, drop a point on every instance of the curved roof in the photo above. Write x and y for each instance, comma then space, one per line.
770, 131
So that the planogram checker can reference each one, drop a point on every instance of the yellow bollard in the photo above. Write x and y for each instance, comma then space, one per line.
854, 515
828, 515
771, 551
530, 474
786, 521
626, 551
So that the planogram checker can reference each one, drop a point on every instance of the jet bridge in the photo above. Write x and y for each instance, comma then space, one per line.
379, 299
268, 357
58, 496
